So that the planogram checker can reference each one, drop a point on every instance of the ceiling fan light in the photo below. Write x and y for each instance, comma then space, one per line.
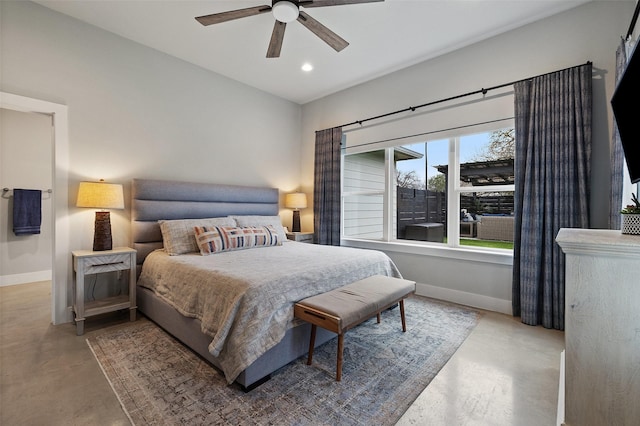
285, 11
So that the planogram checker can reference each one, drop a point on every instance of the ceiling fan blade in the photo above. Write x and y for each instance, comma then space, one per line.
328, 36
217, 18
323, 3
276, 40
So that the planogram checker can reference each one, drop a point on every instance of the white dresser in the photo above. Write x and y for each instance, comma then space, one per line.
602, 327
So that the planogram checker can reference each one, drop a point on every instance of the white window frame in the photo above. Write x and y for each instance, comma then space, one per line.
452, 249
453, 203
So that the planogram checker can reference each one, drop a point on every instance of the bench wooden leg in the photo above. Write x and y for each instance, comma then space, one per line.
339, 364
312, 343
378, 315
404, 324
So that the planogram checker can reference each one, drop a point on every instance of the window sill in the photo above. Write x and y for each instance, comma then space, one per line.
494, 256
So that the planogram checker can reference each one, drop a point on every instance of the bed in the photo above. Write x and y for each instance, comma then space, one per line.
233, 307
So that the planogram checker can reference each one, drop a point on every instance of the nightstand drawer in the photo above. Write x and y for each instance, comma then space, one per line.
98, 264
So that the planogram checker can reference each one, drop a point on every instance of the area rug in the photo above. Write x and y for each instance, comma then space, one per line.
161, 382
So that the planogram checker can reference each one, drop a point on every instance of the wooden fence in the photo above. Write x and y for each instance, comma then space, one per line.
423, 206
487, 203
419, 206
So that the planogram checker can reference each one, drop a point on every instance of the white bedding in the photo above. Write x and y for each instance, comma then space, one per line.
245, 298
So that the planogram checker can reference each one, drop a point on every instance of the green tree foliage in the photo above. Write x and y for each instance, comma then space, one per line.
437, 183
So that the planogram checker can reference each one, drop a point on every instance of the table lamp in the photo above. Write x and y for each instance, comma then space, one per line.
296, 201
101, 195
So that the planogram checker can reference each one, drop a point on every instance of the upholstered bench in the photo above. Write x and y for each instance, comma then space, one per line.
345, 307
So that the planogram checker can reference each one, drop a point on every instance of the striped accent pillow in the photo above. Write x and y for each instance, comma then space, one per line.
178, 237
214, 239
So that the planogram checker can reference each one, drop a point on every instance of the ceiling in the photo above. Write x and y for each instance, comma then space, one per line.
383, 37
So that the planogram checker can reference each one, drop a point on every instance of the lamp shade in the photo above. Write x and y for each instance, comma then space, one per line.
296, 200
100, 195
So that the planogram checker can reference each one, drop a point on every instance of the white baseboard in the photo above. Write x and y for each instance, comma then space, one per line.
464, 298
560, 415
30, 277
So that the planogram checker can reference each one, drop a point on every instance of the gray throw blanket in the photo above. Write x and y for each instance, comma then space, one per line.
244, 299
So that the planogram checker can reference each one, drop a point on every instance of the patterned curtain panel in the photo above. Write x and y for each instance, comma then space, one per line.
553, 150
326, 195
617, 154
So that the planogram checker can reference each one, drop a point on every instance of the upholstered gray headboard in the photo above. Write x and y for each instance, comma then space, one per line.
153, 200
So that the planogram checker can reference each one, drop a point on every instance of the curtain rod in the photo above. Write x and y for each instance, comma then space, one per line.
464, 126
475, 92
633, 21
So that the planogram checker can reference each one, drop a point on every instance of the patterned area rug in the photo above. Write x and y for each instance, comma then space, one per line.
159, 381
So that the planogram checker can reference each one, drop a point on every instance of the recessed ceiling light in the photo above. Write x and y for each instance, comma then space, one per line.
307, 67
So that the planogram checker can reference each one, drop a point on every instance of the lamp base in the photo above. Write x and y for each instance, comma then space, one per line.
102, 232
296, 221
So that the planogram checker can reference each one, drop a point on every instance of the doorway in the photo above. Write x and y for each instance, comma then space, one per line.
59, 154
25, 162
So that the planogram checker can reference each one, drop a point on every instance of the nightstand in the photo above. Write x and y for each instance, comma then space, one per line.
87, 262
301, 237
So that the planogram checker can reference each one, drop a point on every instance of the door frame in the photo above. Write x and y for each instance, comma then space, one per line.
61, 273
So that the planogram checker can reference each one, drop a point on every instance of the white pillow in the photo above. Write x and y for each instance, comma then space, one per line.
179, 237
274, 221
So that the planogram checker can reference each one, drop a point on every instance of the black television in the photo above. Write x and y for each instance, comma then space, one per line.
625, 111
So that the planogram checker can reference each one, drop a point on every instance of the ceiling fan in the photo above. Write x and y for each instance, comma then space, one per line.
285, 11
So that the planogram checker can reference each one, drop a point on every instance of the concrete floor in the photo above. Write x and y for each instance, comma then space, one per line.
505, 373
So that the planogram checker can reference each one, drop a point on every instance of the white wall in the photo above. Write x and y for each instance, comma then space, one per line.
588, 33
135, 112
25, 162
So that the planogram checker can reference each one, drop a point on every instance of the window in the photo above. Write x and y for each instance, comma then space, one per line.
455, 192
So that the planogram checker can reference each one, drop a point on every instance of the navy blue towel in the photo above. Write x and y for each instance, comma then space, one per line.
27, 211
